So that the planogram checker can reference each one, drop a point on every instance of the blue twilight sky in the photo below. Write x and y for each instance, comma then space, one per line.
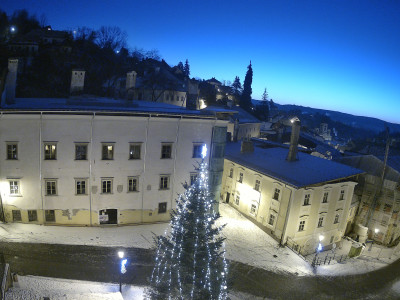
341, 55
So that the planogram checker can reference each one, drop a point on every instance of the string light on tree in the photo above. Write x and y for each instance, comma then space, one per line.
190, 261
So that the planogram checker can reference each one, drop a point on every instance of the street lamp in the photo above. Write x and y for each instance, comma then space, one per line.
121, 255
376, 230
319, 249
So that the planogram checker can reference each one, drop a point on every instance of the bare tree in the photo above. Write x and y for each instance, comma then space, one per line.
111, 37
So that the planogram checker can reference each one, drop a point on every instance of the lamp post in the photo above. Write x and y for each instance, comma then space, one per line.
319, 249
121, 255
376, 230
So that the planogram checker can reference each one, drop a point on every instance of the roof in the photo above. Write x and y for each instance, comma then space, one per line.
308, 170
98, 104
244, 116
373, 165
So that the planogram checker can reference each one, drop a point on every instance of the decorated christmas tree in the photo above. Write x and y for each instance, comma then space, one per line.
190, 260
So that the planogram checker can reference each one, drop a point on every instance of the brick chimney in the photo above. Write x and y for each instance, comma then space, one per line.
11, 80
246, 146
294, 140
77, 81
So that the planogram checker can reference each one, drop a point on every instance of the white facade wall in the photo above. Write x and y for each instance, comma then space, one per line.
31, 131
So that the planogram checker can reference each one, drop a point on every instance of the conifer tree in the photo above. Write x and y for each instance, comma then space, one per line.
180, 67
265, 95
186, 68
245, 99
190, 261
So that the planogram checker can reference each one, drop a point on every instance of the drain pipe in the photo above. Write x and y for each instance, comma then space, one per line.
90, 168
175, 154
283, 236
40, 165
144, 165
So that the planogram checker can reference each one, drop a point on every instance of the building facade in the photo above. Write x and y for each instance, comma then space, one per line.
72, 165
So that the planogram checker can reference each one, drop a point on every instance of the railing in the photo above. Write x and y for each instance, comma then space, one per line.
317, 260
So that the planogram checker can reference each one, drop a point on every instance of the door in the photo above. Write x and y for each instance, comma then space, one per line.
108, 216
227, 197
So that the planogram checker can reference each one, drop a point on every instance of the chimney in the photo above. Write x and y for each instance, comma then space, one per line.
294, 139
246, 146
77, 81
11, 80
130, 80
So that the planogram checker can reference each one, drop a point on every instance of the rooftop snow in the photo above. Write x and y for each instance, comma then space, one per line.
306, 171
99, 104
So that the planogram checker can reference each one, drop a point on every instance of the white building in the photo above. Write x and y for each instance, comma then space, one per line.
82, 161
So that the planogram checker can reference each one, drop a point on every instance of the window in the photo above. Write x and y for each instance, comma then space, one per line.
50, 215
80, 185
106, 185
32, 215
134, 151
231, 173
341, 197
16, 214
387, 208
253, 209
271, 220
218, 151
325, 198
50, 151
132, 184
14, 187
107, 152
12, 151
276, 194
162, 207
307, 199
336, 219
240, 177
237, 200
81, 151
51, 187
257, 185
166, 151
320, 221
193, 177
197, 150
301, 225
164, 182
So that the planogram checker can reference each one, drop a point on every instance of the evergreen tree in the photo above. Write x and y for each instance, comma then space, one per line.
180, 67
265, 95
245, 99
186, 68
237, 89
189, 262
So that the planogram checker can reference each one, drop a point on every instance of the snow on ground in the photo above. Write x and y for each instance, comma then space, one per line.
245, 242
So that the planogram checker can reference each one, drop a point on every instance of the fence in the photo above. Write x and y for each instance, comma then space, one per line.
317, 260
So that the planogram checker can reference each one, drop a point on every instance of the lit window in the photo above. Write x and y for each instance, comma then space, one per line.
307, 199
336, 219
325, 198
240, 177
237, 200
81, 152
193, 177
164, 182
12, 151
80, 185
14, 187
107, 152
162, 207
271, 220
341, 197
301, 225
231, 173
132, 184
257, 185
166, 151
50, 151
51, 187
134, 151
277, 192
320, 221
197, 150
106, 186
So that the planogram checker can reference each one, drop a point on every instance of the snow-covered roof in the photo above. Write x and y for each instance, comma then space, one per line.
306, 171
98, 104
244, 116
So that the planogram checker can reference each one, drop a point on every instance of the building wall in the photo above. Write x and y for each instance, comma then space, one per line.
289, 210
244, 130
31, 131
177, 98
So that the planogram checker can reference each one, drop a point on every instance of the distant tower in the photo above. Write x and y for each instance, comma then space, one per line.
11, 80
77, 81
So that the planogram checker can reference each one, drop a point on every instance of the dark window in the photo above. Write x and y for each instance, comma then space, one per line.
218, 151
50, 151
307, 199
301, 225
240, 177
12, 151
134, 151
271, 220
166, 151
320, 221
276, 194
257, 185
164, 182
32, 215
325, 198
80, 152
81, 187
341, 197
132, 184
193, 177
107, 152
51, 187
197, 151
50, 215
231, 173
162, 207
106, 186
336, 219
16, 215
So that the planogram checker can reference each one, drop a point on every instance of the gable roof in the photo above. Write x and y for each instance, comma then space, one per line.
307, 171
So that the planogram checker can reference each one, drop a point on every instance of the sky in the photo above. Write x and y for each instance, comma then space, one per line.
341, 55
